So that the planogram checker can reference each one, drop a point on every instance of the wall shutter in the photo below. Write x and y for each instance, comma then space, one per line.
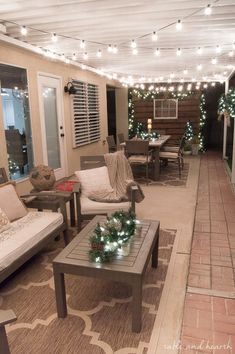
86, 115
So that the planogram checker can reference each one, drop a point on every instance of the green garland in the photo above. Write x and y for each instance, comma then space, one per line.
108, 238
226, 104
202, 123
137, 129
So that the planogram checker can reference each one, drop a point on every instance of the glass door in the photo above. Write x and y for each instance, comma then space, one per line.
52, 124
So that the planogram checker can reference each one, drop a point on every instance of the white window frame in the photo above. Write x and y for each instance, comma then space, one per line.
86, 113
162, 100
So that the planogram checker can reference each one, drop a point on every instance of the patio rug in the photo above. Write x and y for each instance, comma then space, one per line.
99, 319
169, 175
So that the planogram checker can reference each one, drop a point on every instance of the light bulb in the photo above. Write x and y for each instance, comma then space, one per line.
99, 53
23, 30
154, 36
110, 48
67, 61
213, 61
169, 81
85, 56
218, 49
54, 37
213, 84
172, 75
199, 67
208, 10
205, 85
181, 80
231, 53
133, 44
179, 25
82, 44
199, 50
185, 71
115, 49
157, 52
193, 79
62, 56
135, 51
74, 57
178, 52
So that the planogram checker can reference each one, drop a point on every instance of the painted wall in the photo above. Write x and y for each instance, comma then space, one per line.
34, 63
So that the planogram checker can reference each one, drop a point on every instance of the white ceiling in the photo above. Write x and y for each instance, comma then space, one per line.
120, 21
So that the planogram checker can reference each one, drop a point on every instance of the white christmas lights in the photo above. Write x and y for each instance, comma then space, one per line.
178, 52
179, 25
54, 38
208, 10
199, 50
157, 52
154, 36
82, 44
23, 30
133, 44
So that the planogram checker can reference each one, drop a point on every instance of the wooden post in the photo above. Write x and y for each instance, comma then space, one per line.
225, 125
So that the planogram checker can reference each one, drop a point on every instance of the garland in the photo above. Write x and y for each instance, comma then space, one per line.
137, 128
226, 104
109, 237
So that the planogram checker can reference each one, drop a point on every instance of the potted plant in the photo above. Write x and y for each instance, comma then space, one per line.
187, 148
195, 145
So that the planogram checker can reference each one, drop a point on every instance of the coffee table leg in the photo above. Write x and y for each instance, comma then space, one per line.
60, 294
155, 251
137, 306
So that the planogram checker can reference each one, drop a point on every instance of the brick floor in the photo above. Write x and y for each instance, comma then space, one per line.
209, 321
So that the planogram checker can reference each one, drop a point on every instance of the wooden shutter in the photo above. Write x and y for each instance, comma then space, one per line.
86, 117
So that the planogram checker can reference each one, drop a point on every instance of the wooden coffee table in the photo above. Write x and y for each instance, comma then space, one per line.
74, 259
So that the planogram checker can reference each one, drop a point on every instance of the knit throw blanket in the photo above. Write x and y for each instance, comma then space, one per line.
121, 180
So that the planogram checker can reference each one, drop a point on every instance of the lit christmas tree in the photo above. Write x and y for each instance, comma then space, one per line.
188, 134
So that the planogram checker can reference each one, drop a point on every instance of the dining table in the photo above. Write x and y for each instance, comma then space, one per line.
155, 145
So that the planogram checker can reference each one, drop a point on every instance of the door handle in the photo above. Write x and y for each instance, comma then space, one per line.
62, 135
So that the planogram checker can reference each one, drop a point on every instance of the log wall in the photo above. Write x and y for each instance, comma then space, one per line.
188, 110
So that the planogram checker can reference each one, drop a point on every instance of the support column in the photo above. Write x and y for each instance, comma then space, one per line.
121, 96
225, 125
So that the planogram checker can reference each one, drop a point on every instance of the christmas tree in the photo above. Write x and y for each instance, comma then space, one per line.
188, 134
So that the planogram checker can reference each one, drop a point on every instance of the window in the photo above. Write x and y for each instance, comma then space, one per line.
86, 129
16, 120
165, 109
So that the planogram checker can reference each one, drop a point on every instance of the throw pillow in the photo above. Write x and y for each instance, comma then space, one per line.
94, 179
10, 202
4, 221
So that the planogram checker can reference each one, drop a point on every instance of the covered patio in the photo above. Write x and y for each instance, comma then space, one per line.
75, 73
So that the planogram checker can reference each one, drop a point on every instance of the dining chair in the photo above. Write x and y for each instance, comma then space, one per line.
137, 152
173, 154
176, 149
111, 143
121, 138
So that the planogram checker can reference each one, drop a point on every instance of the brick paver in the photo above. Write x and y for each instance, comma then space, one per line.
209, 321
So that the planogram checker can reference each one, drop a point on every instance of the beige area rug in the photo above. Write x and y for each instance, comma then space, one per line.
169, 176
99, 319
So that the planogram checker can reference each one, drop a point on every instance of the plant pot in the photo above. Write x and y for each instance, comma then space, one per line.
195, 149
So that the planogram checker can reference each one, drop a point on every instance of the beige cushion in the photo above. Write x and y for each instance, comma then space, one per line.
90, 207
168, 155
4, 221
94, 179
138, 159
10, 202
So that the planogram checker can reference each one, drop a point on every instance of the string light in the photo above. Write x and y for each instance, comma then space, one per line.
54, 37
74, 57
62, 56
179, 25
199, 50
218, 49
213, 61
133, 44
99, 53
185, 72
199, 67
134, 51
172, 75
24, 30
115, 49
85, 56
110, 48
231, 53
82, 44
178, 52
154, 36
157, 52
208, 10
